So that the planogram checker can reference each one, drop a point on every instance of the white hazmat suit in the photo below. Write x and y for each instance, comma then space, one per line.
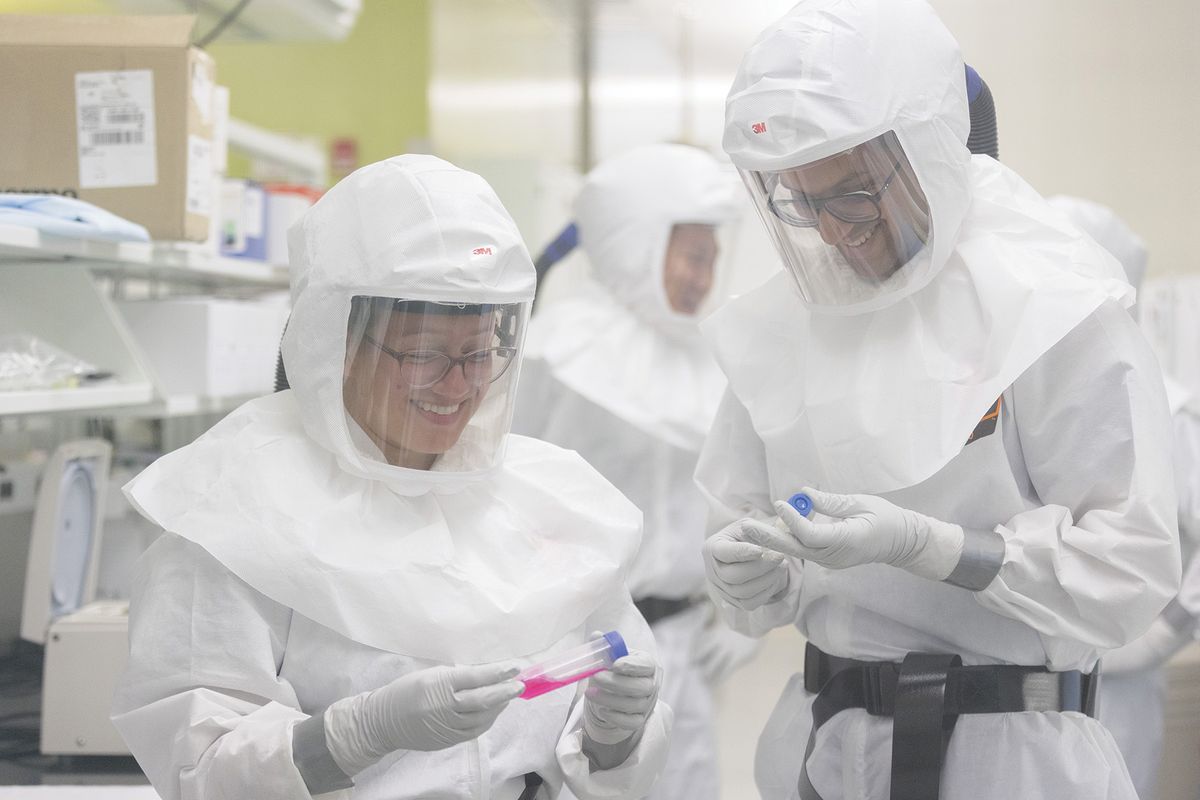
311, 618
1134, 684
990, 408
619, 376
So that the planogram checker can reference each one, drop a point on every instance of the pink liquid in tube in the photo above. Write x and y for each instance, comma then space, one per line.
572, 665
539, 685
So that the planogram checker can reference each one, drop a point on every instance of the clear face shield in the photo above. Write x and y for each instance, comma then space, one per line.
851, 228
431, 385
690, 274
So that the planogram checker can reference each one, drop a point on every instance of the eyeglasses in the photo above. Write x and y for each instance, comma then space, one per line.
423, 368
796, 208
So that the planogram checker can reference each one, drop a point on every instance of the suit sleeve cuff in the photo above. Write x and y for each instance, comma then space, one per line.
980, 562
311, 754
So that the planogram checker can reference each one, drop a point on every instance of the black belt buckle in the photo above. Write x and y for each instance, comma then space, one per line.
1091, 685
879, 688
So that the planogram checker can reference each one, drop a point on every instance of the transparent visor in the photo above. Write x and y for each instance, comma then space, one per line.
849, 227
691, 277
430, 386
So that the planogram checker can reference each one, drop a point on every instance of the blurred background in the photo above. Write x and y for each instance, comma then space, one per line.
1095, 98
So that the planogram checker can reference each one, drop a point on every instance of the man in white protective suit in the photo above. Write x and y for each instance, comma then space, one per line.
354, 570
1133, 686
979, 428
620, 374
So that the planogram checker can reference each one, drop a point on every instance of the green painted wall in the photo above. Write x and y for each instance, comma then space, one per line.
371, 87
54, 7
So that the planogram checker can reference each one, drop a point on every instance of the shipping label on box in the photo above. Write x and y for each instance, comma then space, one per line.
108, 109
115, 113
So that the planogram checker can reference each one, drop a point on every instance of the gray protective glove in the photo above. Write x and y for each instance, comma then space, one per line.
719, 650
430, 709
865, 530
617, 703
741, 572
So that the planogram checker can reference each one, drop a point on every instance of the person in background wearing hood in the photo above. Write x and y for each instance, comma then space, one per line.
979, 428
620, 374
1131, 694
1134, 682
353, 570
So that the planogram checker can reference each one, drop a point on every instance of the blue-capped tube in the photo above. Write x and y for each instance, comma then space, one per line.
802, 503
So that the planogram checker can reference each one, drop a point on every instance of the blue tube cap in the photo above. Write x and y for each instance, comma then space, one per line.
801, 502
616, 645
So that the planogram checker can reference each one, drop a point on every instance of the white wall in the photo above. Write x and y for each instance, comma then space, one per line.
1098, 98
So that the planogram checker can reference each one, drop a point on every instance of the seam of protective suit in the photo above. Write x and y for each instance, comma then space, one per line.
310, 752
980, 562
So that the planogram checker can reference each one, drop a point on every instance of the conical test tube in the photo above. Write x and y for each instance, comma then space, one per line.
572, 666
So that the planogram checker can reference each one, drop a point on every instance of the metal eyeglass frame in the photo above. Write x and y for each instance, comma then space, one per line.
451, 362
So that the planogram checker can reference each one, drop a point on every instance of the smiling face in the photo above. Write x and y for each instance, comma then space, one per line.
688, 268
874, 249
412, 423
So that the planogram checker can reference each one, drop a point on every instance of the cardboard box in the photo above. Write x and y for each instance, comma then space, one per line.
117, 111
209, 347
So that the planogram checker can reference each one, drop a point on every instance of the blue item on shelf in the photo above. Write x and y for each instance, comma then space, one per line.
67, 216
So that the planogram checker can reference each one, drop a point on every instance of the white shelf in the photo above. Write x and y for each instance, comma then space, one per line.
165, 260
82, 399
183, 406
63, 306
188, 258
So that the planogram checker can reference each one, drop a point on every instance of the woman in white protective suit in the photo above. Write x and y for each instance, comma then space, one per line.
620, 374
1133, 687
979, 426
354, 569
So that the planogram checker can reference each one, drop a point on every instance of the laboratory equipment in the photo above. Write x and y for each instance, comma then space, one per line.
86, 640
572, 665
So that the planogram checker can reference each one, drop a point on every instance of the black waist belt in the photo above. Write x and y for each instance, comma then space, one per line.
533, 782
655, 609
924, 695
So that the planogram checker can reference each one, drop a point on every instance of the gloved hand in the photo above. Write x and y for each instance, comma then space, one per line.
719, 650
430, 709
743, 573
865, 530
617, 703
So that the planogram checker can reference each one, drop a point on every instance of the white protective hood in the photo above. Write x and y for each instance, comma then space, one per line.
1109, 231
441, 565
412, 227
619, 344
880, 396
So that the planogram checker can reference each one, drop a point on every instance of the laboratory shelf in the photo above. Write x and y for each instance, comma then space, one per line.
64, 307
88, 398
157, 260
182, 406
